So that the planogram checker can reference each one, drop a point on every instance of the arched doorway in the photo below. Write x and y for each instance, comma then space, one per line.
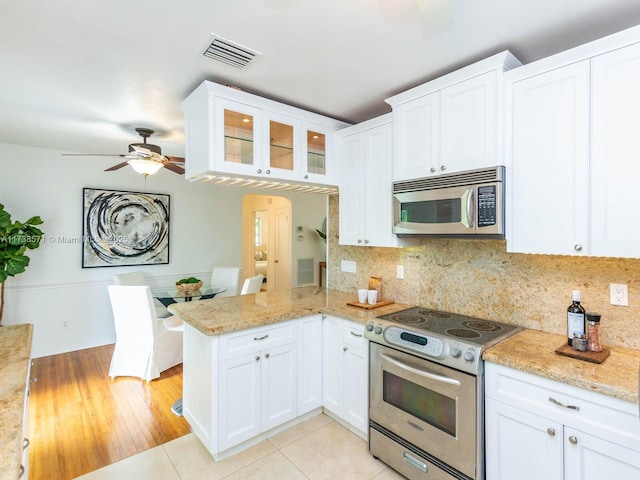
266, 239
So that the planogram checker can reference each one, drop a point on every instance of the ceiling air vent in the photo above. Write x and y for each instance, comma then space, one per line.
230, 53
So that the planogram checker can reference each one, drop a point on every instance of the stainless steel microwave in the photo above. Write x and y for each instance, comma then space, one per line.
469, 203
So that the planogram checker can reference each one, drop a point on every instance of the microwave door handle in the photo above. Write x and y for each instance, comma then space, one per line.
422, 373
470, 210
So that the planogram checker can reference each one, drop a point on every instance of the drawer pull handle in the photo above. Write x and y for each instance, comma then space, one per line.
573, 440
261, 338
257, 358
25, 443
266, 355
551, 432
21, 471
560, 404
355, 334
414, 462
344, 349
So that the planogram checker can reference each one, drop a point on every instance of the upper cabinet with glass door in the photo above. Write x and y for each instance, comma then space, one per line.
234, 133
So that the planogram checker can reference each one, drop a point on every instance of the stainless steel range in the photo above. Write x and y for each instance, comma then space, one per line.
426, 392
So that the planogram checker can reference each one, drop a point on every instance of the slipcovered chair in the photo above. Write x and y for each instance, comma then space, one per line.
252, 284
137, 278
144, 346
227, 277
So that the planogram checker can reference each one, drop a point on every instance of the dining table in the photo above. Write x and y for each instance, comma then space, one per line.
169, 295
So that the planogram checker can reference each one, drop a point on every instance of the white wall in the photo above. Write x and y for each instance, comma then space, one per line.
205, 229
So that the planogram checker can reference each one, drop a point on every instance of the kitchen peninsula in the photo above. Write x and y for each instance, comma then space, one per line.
257, 364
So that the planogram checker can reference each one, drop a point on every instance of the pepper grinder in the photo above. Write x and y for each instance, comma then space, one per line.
593, 335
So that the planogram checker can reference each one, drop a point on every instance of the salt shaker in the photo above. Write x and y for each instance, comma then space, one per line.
593, 336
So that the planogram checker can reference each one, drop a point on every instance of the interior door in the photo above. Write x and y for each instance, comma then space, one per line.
282, 247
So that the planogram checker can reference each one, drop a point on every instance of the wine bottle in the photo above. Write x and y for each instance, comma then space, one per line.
575, 317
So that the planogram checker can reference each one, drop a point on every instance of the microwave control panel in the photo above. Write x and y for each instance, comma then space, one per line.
487, 211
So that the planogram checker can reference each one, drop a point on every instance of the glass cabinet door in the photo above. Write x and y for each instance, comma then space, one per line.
281, 145
238, 137
316, 152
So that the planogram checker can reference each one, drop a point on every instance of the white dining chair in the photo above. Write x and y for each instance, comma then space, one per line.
252, 284
226, 277
144, 346
137, 278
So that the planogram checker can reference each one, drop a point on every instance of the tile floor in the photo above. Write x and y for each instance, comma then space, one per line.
317, 449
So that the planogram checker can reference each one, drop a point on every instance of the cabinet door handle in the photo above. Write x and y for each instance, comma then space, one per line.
344, 349
266, 355
261, 338
306, 177
551, 432
433, 170
268, 172
443, 167
577, 247
573, 440
560, 404
257, 358
21, 471
355, 334
366, 241
359, 241
259, 170
25, 443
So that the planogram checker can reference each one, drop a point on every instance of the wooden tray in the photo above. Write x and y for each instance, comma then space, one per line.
593, 357
366, 306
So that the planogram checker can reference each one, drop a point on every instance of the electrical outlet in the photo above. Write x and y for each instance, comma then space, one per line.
399, 271
619, 294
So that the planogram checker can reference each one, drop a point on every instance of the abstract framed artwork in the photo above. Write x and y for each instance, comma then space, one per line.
124, 228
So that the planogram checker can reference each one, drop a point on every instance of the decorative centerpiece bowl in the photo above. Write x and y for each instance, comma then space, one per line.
188, 285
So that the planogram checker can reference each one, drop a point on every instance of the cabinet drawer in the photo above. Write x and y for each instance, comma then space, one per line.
597, 414
255, 339
353, 334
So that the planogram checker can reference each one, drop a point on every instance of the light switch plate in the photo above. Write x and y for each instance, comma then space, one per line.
399, 271
348, 266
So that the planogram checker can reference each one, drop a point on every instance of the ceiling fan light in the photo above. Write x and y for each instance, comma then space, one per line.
145, 167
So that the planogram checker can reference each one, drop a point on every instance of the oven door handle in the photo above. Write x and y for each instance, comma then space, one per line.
417, 371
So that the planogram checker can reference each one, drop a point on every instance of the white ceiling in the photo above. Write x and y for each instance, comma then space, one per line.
79, 75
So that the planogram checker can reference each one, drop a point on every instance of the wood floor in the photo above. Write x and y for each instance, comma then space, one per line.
81, 420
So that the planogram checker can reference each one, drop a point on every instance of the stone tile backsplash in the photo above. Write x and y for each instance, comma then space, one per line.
479, 278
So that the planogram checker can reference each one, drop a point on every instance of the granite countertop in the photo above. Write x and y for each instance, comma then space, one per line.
228, 314
15, 357
532, 351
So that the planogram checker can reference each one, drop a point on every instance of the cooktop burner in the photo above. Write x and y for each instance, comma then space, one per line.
446, 324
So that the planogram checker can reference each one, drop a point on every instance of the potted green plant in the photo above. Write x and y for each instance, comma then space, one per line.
15, 239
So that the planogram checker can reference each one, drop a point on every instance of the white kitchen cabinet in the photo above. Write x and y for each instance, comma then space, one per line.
365, 152
615, 144
571, 147
548, 173
241, 384
310, 364
453, 123
538, 428
230, 132
345, 373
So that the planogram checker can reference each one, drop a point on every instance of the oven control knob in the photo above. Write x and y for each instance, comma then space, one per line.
369, 327
469, 357
377, 330
455, 352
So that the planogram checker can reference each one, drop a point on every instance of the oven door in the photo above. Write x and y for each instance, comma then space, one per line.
429, 405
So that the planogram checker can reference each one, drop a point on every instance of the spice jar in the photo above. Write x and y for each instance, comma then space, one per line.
593, 335
579, 342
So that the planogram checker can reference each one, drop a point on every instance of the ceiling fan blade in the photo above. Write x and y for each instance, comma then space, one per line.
117, 167
172, 167
93, 155
175, 159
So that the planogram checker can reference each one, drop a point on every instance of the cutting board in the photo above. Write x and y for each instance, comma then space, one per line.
366, 306
593, 357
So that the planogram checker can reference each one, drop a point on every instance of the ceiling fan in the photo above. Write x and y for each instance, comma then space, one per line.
144, 158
